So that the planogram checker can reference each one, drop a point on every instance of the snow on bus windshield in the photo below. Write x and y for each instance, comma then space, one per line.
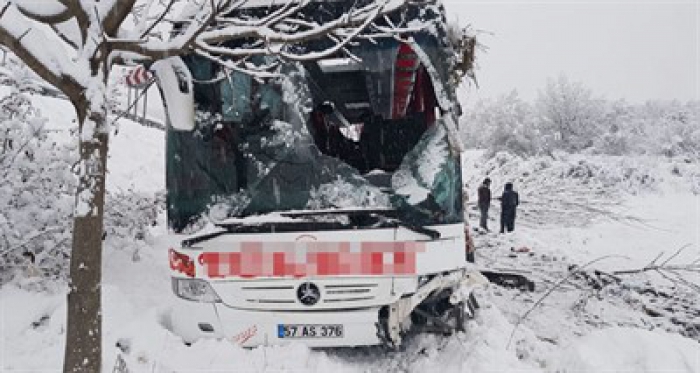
323, 135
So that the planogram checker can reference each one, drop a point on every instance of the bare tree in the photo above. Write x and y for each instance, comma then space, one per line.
73, 44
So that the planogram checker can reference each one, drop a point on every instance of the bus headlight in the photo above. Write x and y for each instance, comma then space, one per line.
195, 290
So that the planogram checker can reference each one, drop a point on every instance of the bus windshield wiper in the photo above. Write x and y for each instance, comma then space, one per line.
432, 233
390, 216
296, 222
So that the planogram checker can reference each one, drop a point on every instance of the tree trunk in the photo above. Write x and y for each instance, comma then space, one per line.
84, 335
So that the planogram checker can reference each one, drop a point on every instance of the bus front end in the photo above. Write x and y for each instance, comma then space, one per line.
323, 205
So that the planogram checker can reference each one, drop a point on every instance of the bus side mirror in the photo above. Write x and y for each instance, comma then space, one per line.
176, 88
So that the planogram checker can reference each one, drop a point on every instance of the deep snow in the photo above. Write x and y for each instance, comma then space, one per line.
573, 330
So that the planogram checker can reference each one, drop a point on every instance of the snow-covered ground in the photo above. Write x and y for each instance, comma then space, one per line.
593, 321
575, 328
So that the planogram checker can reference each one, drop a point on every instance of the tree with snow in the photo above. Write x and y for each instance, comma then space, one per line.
73, 45
503, 124
570, 116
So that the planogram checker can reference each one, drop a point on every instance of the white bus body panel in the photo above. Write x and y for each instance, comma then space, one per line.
253, 307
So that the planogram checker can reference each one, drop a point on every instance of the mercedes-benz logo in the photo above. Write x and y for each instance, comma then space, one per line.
308, 294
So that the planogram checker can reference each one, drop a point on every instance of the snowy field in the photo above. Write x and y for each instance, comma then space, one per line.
591, 321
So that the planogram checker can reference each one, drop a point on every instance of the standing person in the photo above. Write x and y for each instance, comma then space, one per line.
509, 202
484, 202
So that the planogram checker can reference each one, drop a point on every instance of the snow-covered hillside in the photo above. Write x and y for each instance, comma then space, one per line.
574, 211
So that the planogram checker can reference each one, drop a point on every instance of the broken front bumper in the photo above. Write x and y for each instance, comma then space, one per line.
360, 326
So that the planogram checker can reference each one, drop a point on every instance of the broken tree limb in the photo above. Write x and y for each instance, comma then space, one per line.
672, 272
572, 272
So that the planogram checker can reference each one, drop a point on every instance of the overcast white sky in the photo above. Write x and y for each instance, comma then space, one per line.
636, 50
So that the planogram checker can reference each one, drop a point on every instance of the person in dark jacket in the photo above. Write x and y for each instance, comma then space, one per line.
484, 202
509, 202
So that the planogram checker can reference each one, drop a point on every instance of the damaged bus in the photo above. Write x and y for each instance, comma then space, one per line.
323, 205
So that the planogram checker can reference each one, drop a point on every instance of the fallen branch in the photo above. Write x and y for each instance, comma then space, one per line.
672, 272
573, 271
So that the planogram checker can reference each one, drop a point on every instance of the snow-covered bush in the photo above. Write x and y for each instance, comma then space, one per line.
505, 124
573, 189
130, 215
671, 128
37, 188
567, 117
632, 174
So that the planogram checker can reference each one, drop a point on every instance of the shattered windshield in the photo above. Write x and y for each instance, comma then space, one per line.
327, 135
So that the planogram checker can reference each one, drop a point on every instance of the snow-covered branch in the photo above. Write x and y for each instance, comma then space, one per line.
43, 11
157, 21
673, 272
235, 28
41, 51
280, 31
284, 12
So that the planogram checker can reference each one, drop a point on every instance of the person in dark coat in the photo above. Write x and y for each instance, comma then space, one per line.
509, 203
484, 202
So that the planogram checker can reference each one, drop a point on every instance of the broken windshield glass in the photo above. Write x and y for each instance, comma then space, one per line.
334, 134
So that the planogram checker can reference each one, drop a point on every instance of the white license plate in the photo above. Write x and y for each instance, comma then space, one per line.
309, 330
